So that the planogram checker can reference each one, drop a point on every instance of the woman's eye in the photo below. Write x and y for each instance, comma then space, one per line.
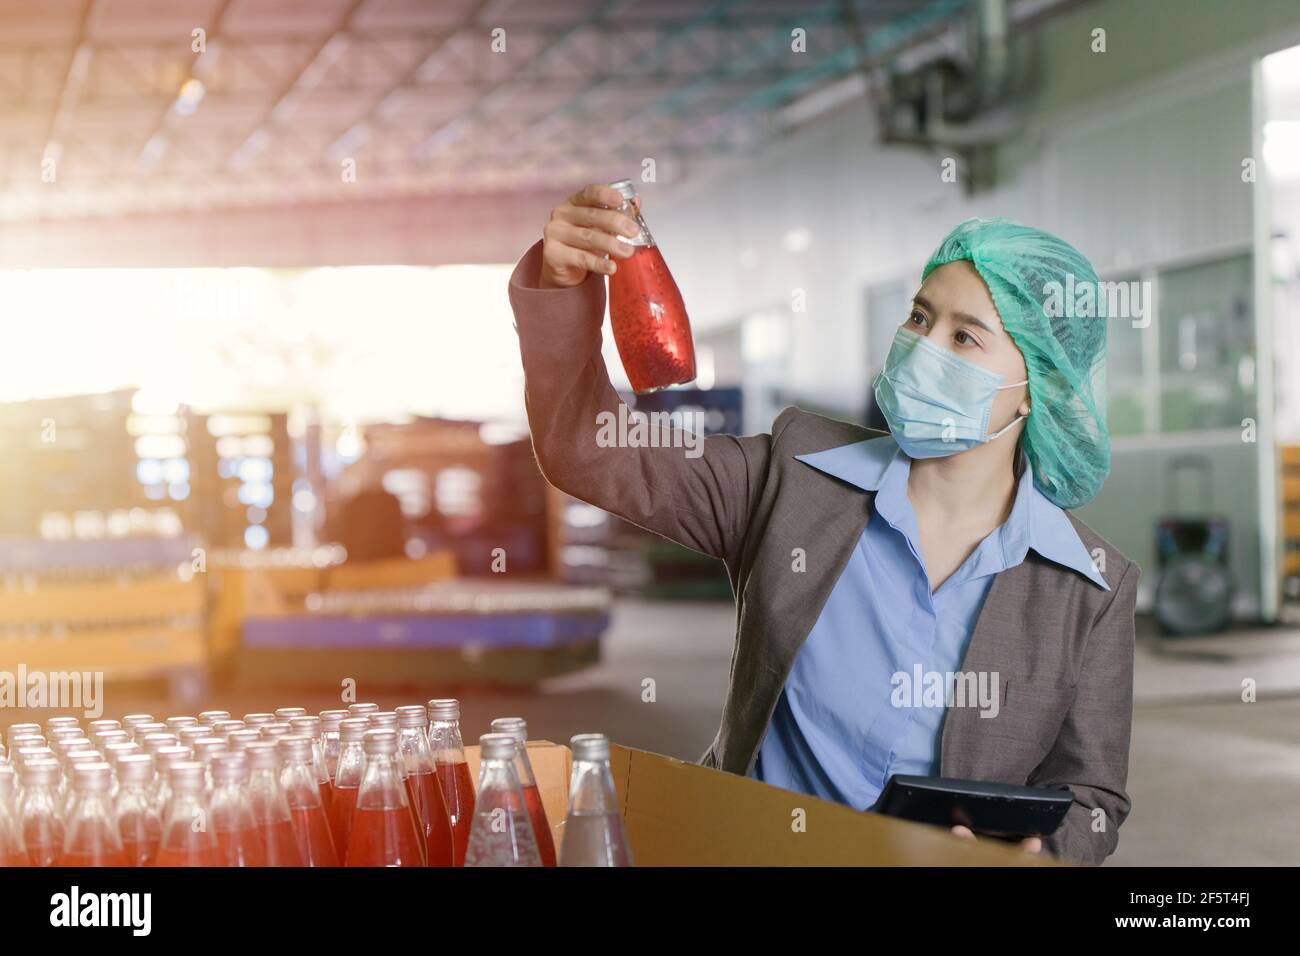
964, 338
916, 318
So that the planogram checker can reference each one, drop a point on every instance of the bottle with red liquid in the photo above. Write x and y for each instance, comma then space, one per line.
384, 831
516, 727
502, 833
329, 738
593, 830
422, 786
351, 768
231, 814
311, 727
138, 821
303, 792
453, 771
92, 836
387, 720
270, 806
187, 837
39, 820
646, 311
13, 852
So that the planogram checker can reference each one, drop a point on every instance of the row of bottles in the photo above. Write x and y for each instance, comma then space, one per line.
355, 787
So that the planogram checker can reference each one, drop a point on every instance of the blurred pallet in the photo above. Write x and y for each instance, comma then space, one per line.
1289, 457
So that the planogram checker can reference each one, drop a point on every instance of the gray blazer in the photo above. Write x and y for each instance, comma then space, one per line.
1062, 647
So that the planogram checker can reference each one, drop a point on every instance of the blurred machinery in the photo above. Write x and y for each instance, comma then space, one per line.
1195, 586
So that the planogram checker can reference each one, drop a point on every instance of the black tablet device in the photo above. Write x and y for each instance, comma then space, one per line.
990, 809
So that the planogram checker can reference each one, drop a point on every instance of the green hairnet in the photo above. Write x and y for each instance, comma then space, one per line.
1049, 300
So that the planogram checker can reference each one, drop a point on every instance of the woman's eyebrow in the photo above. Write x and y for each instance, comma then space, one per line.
964, 317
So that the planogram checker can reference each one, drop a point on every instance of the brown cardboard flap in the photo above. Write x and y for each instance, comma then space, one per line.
684, 814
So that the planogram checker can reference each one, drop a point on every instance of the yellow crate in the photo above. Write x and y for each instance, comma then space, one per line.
107, 602
125, 653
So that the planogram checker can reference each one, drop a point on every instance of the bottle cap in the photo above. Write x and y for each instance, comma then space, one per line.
590, 747
353, 729
382, 720
205, 748
446, 709
624, 188
223, 728
498, 747
360, 710
114, 752
287, 713
210, 717
229, 768
274, 731
262, 755
256, 720
92, 776
411, 715
134, 768
174, 724
39, 771
295, 747
310, 726
130, 720
95, 725
239, 739
516, 727
329, 720
185, 776
380, 741
62, 722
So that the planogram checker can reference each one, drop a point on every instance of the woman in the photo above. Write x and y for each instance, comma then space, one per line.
871, 570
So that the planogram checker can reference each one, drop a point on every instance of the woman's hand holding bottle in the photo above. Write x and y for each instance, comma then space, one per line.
582, 231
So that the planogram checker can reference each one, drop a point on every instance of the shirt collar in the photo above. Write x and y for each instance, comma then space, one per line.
878, 465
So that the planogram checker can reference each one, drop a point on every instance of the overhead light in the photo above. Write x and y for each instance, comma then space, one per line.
153, 149
189, 98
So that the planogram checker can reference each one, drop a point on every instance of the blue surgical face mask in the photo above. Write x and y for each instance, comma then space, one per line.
936, 403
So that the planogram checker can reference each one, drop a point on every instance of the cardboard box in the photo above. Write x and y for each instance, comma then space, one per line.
682, 814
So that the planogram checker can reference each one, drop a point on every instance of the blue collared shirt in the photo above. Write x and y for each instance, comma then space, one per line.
837, 732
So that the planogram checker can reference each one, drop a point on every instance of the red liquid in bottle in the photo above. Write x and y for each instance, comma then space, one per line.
384, 838
458, 794
281, 843
43, 852
425, 794
194, 854
139, 852
315, 840
341, 807
649, 321
100, 856
240, 848
541, 829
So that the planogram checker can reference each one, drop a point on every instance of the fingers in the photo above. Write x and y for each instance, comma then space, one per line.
963, 832
586, 238
560, 256
1032, 844
597, 195
605, 220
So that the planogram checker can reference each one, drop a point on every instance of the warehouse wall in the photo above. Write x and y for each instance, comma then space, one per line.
1112, 177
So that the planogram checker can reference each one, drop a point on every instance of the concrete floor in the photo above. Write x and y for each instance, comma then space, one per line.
1213, 780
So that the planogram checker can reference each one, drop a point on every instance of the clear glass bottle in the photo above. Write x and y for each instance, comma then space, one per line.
502, 834
422, 787
270, 806
352, 765
646, 311
13, 851
593, 829
38, 814
306, 807
311, 727
518, 728
187, 837
139, 822
231, 815
453, 771
384, 831
92, 837
329, 737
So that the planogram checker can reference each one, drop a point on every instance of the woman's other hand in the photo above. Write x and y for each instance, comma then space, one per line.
582, 231
1028, 844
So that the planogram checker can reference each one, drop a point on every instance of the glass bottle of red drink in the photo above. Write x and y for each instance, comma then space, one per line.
187, 837
92, 836
270, 806
310, 823
138, 821
38, 814
502, 833
387, 720
13, 852
453, 771
518, 728
311, 727
593, 830
422, 786
384, 831
329, 738
164, 756
351, 767
646, 312
231, 814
